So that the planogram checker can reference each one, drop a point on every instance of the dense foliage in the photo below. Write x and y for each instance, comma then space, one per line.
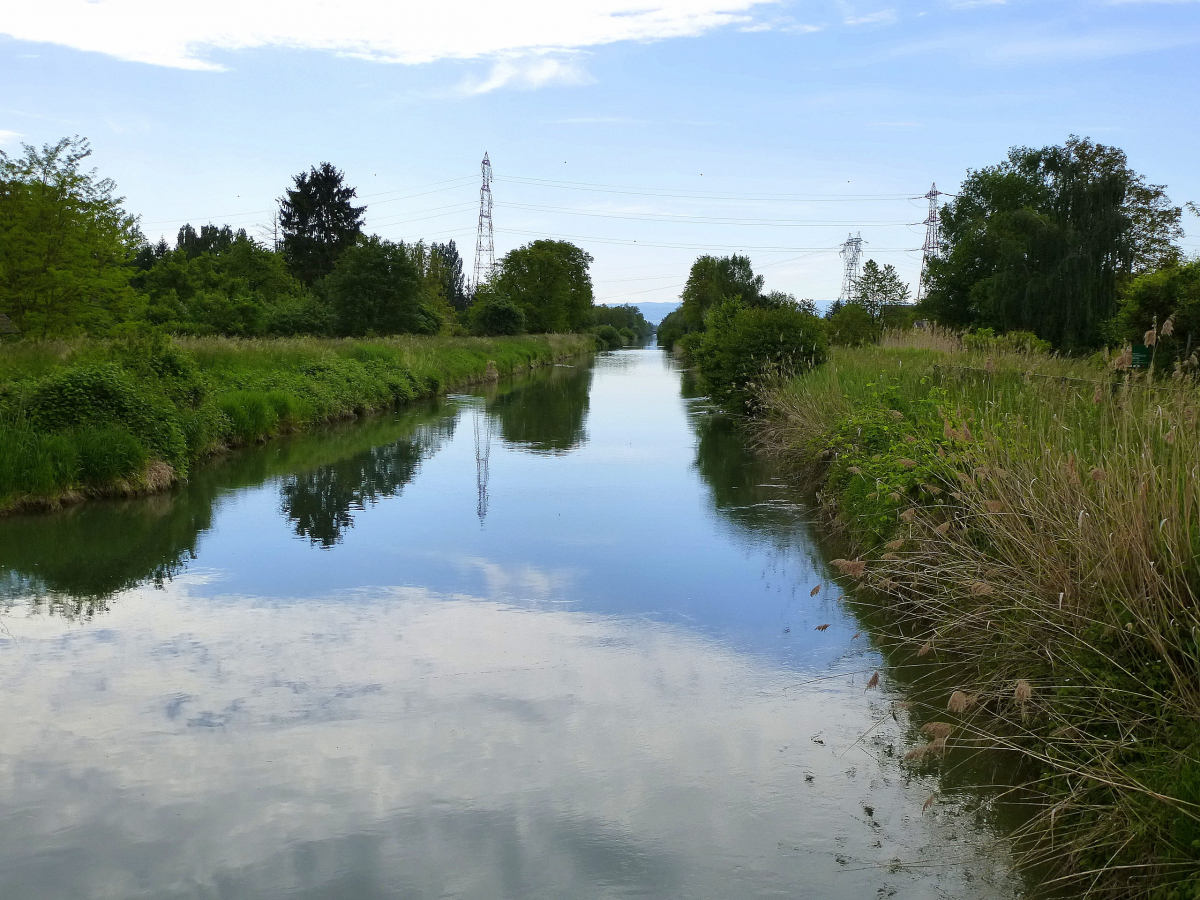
318, 221
620, 326
73, 263
742, 345
549, 282
1170, 294
133, 414
65, 243
1044, 242
377, 288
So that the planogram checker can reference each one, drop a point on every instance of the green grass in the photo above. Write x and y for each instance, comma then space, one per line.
1030, 525
93, 417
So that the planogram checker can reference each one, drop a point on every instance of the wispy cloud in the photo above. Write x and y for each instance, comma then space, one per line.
881, 17
187, 36
528, 73
600, 120
9, 137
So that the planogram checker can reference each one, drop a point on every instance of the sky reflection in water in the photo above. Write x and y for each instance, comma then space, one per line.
350, 686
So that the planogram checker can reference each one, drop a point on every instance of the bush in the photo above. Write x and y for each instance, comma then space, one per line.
608, 337
104, 395
1009, 342
741, 346
852, 326
494, 314
671, 329
1173, 293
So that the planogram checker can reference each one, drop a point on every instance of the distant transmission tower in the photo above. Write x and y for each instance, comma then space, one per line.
851, 253
485, 248
933, 237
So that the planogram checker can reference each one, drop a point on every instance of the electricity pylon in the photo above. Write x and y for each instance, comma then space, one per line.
485, 248
933, 237
851, 255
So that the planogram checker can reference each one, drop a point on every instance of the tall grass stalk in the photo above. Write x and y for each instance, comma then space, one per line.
1049, 564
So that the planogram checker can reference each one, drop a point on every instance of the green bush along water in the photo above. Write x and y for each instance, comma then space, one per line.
132, 414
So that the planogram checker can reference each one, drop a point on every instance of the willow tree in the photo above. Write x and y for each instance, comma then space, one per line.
1044, 241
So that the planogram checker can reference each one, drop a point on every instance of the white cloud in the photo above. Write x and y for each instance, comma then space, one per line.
9, 137
528, 72
185, 35
883, 17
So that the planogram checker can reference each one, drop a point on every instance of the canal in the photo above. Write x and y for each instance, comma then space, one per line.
560, 637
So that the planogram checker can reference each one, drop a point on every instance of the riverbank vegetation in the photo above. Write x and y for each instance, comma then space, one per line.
1018, 488
91, 417
74, 262
1032, 526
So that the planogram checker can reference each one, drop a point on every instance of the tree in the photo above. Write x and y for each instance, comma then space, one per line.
851, 325
1171, 293
318, 222
742, 346
1044, 241
445, 261
492, 313
66, 245
878, 288
713, 279
549, 282
376, 287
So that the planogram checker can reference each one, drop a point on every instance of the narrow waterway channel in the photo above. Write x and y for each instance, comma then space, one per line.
557, 638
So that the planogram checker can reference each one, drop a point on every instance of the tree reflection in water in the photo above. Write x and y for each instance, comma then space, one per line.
545, 414
319, 502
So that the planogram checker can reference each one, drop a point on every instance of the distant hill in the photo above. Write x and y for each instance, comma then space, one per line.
656, 312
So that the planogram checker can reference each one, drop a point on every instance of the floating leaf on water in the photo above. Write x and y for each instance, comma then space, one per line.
822, 627
815, 591
873, 681
857, 635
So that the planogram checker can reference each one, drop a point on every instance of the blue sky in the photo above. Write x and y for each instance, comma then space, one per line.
647, 131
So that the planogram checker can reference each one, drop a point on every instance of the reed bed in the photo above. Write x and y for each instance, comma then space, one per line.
1030, 527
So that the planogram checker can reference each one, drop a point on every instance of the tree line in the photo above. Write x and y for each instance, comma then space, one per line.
1069, 244
1064, 247
74, 262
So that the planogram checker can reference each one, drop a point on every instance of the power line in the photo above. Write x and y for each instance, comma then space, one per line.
704, 195
701, 220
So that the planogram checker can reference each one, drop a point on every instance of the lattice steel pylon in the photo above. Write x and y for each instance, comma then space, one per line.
933, 237
851, 254
482, 423
485, 247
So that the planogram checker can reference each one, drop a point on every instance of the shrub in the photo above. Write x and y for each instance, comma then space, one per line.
741, 346
608, 337
1009, 342
494, 314
852, 326
105, 395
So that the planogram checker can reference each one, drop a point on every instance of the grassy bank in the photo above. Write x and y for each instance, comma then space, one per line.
92, 418
1030, 528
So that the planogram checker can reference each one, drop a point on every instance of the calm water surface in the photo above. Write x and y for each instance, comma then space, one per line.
555, 639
